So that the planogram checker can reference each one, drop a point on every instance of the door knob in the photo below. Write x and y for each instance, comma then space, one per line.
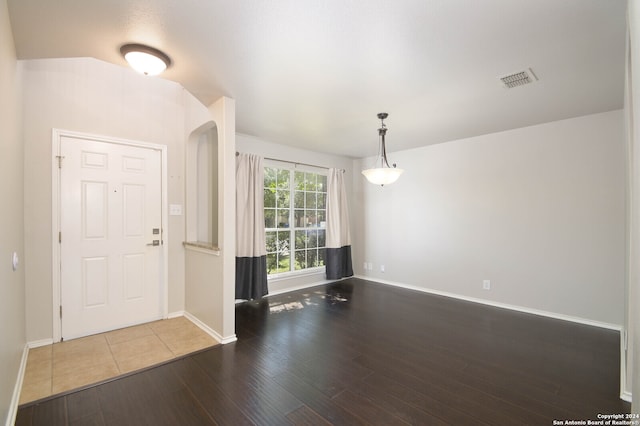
154, 243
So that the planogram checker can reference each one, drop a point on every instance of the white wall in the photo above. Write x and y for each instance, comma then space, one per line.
254, 145
539, 211
12, 317
90, 96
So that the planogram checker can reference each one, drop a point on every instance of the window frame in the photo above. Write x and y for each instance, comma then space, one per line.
292, 169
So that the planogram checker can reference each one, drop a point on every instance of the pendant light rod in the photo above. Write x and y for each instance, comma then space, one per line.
382, 131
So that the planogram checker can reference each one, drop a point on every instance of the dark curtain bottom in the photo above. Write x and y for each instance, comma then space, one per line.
338, 261
251, 277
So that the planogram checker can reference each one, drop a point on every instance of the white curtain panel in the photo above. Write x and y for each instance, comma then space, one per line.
251, 249
338, 242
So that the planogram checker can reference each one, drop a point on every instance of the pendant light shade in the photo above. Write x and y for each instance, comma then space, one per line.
382, 173
145, 59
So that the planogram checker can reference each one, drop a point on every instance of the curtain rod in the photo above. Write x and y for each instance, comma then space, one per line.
297, 163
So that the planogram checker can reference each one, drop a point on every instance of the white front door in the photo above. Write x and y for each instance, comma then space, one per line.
110, 224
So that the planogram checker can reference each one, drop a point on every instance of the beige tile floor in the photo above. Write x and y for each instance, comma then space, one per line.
76, 363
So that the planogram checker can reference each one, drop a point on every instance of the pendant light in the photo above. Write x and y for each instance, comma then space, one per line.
145, 59
382, 173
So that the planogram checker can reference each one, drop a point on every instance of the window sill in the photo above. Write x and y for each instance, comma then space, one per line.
201, 247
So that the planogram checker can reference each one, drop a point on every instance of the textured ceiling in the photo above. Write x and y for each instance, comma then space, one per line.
314, 74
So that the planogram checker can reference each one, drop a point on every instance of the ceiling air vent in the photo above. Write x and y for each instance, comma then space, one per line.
518, 79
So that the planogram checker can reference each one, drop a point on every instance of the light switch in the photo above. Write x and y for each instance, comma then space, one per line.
175, 209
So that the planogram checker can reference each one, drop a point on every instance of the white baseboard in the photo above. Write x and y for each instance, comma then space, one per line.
625, 395
38, 343
211, 332
300, 287
523, 309
229, 339
17, 389
176, 314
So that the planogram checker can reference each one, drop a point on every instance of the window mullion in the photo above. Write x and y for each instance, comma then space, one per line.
292, 225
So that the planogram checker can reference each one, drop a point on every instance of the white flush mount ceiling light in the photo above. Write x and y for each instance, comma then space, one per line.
382, 173
145, 59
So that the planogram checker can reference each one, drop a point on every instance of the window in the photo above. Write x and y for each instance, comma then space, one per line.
294, 215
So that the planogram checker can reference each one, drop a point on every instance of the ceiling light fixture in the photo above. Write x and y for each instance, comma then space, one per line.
384, 174
145, 59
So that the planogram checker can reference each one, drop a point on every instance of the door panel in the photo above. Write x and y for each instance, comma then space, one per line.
94, 283
94, 212
134, 201
133, 276
110, 212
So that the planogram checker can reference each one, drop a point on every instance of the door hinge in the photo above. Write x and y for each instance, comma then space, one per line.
60, 236
60, 311
60, 158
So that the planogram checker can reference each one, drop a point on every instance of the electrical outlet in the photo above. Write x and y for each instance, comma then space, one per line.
381, 268
365, 266
486, 284
370, 266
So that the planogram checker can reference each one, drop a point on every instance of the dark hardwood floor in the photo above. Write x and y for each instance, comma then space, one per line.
358, 352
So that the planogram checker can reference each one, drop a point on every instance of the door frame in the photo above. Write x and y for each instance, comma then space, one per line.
57, 135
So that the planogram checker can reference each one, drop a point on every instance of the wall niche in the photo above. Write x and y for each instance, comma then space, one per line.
202, 188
